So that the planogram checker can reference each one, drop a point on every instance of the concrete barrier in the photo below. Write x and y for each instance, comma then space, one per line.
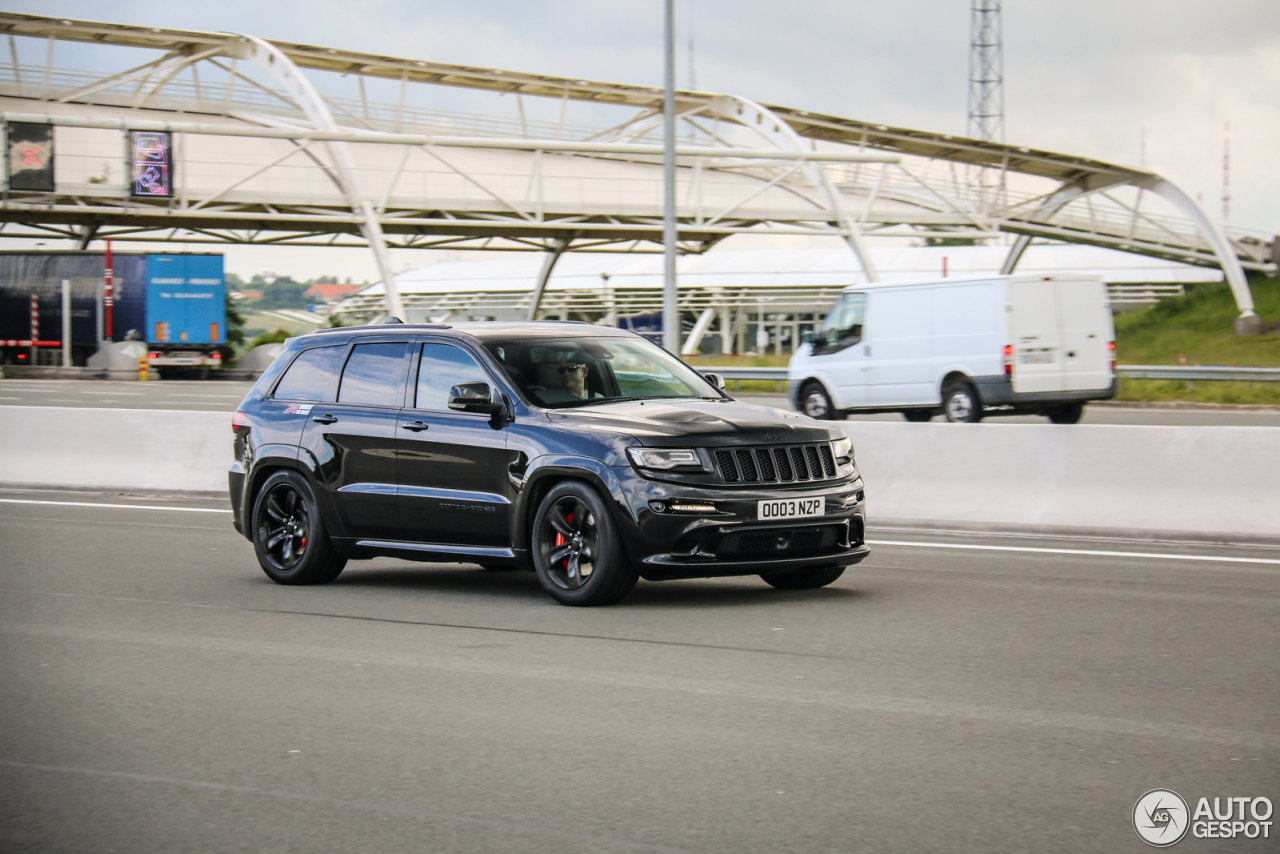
142, 449
1193, 481
1122, 479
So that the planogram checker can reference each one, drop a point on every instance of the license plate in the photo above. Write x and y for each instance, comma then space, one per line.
791, 508
1037, 358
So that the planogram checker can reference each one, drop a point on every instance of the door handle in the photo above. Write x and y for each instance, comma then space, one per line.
324, 419
415, 426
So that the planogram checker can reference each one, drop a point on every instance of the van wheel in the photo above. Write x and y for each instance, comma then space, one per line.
917, 415
577, 552
289, 538
816, 403
1067, 414
804, 579
960, 404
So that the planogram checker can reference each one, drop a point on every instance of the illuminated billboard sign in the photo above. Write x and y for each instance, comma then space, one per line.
152, 155
30, 157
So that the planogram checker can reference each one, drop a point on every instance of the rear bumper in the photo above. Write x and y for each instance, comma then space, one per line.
998, 391
235, 486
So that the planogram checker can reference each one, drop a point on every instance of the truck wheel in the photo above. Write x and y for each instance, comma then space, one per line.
960, 404
917, 415
1066, 414
576, 549
804, 579
816, 403
288, 536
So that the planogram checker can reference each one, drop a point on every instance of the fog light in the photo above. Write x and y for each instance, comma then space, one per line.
681, 507
689, 507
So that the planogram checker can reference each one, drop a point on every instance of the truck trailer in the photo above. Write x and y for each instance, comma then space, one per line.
175, 303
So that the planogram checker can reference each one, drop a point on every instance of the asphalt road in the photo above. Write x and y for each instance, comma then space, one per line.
222, 396
161, 695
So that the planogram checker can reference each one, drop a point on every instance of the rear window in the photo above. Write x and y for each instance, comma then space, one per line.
312, 375
374, 374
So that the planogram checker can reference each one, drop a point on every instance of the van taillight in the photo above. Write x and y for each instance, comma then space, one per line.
1111, 352
239, 421
1008, 360
215, 356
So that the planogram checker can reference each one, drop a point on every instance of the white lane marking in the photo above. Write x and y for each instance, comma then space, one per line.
219, 396
114, 393
96, 409
1158, 555
114, 506
10, 398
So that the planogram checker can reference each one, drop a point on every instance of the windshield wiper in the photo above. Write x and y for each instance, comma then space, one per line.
608, 400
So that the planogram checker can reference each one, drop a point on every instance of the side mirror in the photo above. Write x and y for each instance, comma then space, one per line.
716, 380
474, 397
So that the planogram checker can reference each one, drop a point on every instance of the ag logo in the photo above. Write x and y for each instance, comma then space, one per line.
1161, 817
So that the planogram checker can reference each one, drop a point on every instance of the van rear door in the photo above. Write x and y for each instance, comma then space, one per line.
1087, 328
1036, 337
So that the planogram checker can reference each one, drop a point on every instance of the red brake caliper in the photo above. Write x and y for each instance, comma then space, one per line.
560, 540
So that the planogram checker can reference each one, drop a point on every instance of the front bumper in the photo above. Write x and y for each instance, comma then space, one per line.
732, 540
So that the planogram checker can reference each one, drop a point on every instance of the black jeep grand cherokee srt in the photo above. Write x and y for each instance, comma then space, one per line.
585, 453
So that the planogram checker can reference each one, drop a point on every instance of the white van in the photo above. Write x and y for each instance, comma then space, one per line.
964, 347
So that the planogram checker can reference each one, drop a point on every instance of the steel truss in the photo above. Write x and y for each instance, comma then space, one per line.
267, 158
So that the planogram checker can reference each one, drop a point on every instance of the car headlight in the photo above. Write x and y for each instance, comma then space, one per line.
664, 458
843, 450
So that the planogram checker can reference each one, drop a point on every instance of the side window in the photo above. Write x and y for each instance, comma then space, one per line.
442, 367
843, 324
374, 374
312, 374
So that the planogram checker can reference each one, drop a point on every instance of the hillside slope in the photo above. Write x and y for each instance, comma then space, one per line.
1199, 327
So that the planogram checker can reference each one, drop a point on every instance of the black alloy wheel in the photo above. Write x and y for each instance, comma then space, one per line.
816, 403
804, 579
960, 404
288, 536
576, 550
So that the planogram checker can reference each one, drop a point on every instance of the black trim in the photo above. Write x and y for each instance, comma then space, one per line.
998, 391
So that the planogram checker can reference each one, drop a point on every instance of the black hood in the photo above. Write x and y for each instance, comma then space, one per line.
705, 422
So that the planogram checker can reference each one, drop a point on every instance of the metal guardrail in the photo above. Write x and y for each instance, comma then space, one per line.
1199, 372
1146, 372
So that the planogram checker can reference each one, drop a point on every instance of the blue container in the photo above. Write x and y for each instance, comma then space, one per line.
186, 299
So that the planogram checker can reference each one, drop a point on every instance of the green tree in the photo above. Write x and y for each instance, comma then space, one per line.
235, 330
283, 292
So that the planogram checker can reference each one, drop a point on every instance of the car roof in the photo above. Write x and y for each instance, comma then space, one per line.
485, 330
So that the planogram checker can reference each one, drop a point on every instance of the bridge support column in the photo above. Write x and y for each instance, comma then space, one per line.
1248, 323
544, 275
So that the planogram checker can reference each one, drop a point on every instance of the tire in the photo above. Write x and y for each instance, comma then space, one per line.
917, 416
576, 549
288, 536
960, 404
816, 403
1070, 414
804, 579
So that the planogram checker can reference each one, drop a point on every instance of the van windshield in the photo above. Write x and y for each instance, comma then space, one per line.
564, 372
842, 325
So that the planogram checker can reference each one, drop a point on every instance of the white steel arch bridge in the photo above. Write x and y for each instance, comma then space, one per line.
269, 149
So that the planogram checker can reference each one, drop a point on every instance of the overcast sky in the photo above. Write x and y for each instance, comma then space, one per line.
1082, 76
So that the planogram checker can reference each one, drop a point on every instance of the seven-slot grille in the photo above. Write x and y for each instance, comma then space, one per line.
783, 464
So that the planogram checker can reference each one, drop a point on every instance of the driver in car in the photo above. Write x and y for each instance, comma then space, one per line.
573, 375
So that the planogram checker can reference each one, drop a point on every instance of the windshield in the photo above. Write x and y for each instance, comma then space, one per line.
560, 372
